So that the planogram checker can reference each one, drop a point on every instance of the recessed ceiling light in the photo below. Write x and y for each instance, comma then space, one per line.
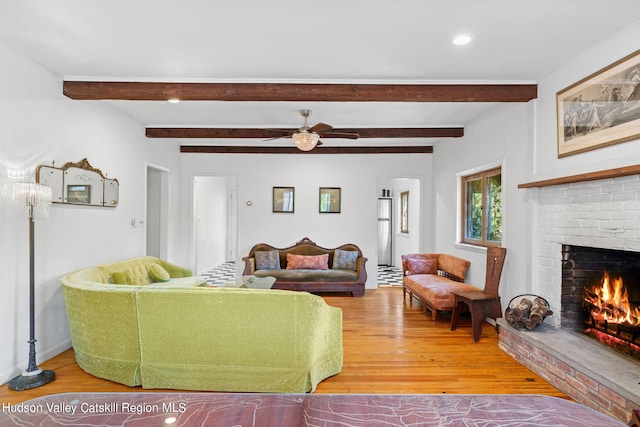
461, 39
174, 100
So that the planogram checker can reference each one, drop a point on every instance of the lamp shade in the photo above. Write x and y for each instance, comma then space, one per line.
305, 141
33, 196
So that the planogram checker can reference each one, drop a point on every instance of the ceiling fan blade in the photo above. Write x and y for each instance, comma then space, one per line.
270, 134
320, 127
345, 135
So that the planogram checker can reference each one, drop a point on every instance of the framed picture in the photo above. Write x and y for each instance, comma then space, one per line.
602, 109
404, 212
283, 199
329, 200
77, 193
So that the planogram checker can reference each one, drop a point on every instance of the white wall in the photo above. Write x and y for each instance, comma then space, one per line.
500, 137
411, 242
545, 162
597, 213
356, 175
523, 138
40, 125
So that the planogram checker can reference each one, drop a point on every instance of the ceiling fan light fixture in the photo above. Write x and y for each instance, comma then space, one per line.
305, 141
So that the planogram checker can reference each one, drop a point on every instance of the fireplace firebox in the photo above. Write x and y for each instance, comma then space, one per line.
601, 296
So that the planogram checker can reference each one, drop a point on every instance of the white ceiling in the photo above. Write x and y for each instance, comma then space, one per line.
335, 41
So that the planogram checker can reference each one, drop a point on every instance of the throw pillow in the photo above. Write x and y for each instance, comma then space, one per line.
345, 260
421, 266
158, 273
307, 262
267, 260
136, 276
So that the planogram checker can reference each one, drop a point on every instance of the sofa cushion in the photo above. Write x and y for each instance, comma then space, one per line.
437, 290
304, 276
345, 260
158, 273
406, 257
267, 260
421, 265
309, 262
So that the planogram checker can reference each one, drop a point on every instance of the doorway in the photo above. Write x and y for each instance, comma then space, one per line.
157, 211
214, 221
392, 241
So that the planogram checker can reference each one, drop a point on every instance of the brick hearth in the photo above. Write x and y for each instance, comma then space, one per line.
578, 366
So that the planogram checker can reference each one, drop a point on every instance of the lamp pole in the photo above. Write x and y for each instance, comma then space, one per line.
33, 376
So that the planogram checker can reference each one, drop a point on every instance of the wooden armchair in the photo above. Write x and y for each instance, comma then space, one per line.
482, 304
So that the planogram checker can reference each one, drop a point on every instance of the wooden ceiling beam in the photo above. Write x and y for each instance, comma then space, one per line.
156, 132
163, 91
293, 150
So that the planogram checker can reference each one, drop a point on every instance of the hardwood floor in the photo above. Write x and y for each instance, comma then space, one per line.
389, 347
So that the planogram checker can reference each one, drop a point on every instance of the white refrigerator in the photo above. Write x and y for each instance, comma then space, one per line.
384, 231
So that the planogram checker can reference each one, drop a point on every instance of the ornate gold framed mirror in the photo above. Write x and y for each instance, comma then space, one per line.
79, 183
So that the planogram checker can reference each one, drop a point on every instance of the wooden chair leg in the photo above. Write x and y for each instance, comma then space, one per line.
480, 310
458, 308
477, 317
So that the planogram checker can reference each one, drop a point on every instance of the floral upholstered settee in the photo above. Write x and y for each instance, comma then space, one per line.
431, 279
306, 266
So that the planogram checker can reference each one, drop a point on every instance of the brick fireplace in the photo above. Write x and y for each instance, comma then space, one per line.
601, 296
602, 214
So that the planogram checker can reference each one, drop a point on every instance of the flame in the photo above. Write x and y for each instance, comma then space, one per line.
610, 302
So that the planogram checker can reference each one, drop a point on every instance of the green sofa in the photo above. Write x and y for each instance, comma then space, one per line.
179, 334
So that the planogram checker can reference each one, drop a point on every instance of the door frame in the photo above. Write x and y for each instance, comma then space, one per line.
160, 211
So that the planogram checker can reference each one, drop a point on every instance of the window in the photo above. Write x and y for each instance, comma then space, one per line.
482, 208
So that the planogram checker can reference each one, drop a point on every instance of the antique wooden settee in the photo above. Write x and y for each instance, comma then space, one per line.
431, 279
305, 266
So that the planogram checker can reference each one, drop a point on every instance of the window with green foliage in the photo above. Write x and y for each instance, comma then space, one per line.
482, 208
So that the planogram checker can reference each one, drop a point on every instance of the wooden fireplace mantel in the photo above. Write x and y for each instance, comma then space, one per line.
589, 176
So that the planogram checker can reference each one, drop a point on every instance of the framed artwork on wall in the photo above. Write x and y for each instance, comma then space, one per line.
77, 193
283, 199
600, 110
404, 212
329, 200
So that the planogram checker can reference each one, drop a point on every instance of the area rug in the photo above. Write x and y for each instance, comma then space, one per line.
295, 410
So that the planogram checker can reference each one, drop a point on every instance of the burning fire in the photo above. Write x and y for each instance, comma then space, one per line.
610, 302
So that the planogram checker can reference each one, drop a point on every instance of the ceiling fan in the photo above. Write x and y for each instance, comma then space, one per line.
306, 138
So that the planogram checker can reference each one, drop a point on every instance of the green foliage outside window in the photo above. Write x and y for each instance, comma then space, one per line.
483, 208
474, 209
494, 211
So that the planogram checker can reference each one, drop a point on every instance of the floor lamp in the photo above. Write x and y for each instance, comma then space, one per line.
37, 199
